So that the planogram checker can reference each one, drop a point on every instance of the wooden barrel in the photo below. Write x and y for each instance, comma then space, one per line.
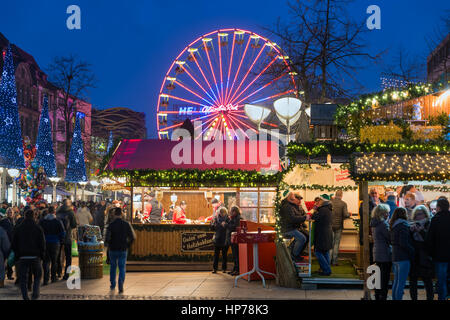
90, 261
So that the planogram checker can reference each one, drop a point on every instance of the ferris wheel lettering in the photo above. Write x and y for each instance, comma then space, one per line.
228, 107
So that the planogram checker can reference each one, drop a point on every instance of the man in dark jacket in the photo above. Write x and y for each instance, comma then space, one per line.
292, 218
54, 235
323, 235
99, 216
119, 237
66, 215
7, 224
220, 224
438, 245
29, 248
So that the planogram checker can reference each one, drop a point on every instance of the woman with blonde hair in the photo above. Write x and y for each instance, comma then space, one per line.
381, 247
422, 264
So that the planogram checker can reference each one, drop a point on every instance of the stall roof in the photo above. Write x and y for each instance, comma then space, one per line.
140, 154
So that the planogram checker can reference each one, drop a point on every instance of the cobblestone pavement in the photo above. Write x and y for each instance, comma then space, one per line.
182, 286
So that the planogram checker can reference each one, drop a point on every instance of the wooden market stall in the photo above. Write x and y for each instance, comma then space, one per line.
236, 173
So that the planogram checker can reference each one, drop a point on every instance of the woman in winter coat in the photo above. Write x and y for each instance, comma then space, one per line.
422, 264
219, 224
402, 251
381, 247
235, 221
323, 235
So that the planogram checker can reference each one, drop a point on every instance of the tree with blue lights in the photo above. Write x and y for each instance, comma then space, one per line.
76, 169
11, 148
45, 156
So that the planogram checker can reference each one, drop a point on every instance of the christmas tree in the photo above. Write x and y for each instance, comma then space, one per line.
45, 156
11, 148
110, 142
76, 169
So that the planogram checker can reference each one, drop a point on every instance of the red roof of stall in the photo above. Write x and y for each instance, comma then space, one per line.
138, 154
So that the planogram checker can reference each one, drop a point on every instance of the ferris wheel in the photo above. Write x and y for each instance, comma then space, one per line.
212, 79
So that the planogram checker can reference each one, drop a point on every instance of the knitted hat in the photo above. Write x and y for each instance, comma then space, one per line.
325, 197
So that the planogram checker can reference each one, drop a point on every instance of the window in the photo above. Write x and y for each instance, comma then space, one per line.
257, 205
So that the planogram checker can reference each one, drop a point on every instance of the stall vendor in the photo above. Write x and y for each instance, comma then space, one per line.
153, 210
179, 214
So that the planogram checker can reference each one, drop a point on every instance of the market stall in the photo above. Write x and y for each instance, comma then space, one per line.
234, 173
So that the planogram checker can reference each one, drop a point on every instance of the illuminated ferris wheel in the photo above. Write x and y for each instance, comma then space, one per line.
212, 79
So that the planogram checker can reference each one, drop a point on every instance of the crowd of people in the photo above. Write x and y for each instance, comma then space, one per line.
36, 240
408, 236
411, 238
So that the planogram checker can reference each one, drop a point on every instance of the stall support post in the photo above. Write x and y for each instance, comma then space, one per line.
364, 188
132, 197
142, 199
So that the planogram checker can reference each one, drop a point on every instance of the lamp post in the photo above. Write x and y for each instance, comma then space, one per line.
14, 173
54, 181
95, 184
288, 111
256, 114
83, 186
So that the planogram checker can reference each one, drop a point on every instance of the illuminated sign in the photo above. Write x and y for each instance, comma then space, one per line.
207, 110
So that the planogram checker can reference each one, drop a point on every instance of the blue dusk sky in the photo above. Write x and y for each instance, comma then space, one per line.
131, 44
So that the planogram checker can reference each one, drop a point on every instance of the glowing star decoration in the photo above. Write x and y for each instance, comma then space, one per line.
8, 121
13, 100
19, 151
47, 153
80, 151
76, 160
46, 120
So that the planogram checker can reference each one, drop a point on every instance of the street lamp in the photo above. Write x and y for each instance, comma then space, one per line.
83, 186
54, 181
95, 184
256, 114
14, 173
288, 111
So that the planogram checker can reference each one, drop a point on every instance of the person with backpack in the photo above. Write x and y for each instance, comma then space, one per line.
66, 215
54, 235
29, 247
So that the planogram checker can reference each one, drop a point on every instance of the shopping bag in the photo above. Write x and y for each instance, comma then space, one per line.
74, 249
11, 259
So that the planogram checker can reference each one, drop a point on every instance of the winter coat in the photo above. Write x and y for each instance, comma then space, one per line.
361, 229
382, 251
7, 225
291, 216
5, 244
231, 227
156, 211
67, 217
53, 229
340, 213
392, 206
438, 237
422, 264
220, 237
83, 216
99, 217
119, 235
401, 240
28, 240
323, 232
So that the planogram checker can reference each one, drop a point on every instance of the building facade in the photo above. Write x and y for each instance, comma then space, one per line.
438, 62
124, 123
32, 85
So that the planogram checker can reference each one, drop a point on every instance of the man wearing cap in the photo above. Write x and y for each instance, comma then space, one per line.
323, 234
153, 208
292, 217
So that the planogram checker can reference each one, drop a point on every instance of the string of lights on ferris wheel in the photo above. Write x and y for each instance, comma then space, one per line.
214, 82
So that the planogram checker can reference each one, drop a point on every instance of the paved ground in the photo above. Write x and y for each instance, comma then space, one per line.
182, 285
